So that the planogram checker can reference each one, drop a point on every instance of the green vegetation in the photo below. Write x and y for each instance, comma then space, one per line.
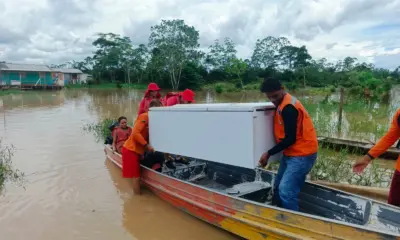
9, 91
7, 172
363, 120
100, 130
336, 167
173, 59
106, 85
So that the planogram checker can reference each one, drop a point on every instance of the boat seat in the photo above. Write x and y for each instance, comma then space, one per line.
329, 203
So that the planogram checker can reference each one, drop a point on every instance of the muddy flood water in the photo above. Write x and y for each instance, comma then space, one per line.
71, 190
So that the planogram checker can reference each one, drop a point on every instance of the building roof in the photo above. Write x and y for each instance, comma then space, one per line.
24, 67
66, 70
4, 66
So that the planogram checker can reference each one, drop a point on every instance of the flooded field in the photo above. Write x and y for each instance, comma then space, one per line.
72, 192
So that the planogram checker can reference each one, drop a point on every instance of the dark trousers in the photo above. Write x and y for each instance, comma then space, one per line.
394, 193
150, 159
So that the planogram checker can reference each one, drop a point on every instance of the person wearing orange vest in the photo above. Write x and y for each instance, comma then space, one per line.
392, 135
296, 137
136, 145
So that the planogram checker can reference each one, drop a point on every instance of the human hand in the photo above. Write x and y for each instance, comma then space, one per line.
149, 148
264, 159
361, 164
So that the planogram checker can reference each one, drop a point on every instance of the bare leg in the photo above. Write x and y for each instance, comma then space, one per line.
136, 186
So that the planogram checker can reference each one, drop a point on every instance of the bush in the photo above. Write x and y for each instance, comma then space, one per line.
356, 90
7, 172
291, 86
100, 130
219, 88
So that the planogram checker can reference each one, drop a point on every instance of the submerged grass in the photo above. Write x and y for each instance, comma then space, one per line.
336, 167
7, 172
99, 130
10, 91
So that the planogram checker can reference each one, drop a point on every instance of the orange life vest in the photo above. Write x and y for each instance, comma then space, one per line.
392, 135
306, 136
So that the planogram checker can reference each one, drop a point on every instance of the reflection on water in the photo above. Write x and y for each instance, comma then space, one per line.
72, 193
156, 219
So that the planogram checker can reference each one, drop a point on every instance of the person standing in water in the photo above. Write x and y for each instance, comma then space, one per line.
296, 137
392, 135
121, 134
152, 92
135, 147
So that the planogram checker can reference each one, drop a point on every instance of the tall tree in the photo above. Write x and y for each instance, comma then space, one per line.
237, 67
266, 51
220, 54
177, 43
302, 61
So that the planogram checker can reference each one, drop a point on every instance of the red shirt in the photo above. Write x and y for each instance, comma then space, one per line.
171, 101
121, 135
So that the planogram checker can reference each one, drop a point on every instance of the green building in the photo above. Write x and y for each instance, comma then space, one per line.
26, 75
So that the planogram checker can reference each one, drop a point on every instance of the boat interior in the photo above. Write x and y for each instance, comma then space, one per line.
255, 186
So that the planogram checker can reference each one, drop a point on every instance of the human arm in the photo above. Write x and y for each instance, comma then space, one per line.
289, 115
392, 135
140, 126
141, 107
114, 140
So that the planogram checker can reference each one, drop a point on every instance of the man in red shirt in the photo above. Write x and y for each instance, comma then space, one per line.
184, 97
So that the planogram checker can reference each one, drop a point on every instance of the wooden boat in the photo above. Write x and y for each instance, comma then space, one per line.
236, 199
356, 146
377, 193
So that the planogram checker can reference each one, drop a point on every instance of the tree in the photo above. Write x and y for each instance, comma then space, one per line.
140, 58
177, 43
237, 67
109, 53
220, 55
266, 51
302, 61
348, 63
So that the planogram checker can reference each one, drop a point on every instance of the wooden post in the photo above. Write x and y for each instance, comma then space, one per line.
341, 109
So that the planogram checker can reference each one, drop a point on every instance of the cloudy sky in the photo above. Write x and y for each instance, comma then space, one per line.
54, 31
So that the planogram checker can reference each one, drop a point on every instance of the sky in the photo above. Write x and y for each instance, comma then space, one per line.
55, 31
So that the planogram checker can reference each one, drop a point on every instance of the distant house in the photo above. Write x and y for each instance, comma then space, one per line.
25, 74
69, 75
36, 75
85, 78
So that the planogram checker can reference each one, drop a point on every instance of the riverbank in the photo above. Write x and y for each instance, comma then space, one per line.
6, 92
221, 87
107, 86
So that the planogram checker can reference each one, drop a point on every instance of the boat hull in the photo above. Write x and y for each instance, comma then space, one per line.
245, 218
